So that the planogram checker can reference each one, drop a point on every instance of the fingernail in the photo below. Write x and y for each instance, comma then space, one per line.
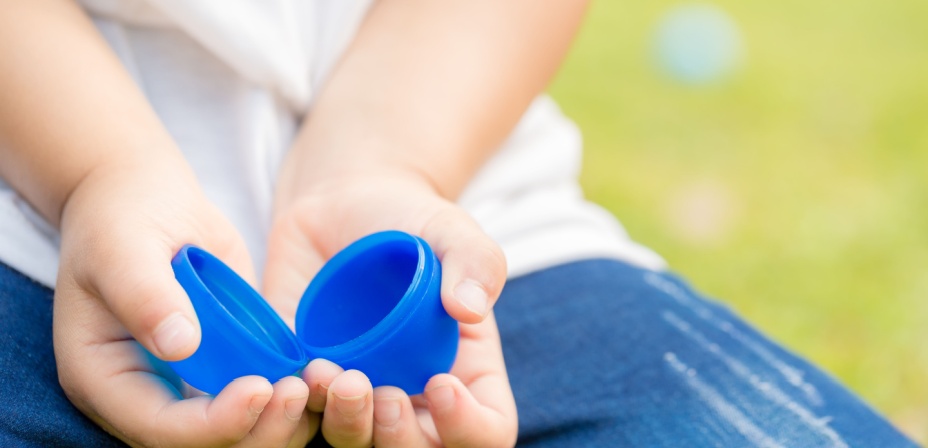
173, 334
294, 407
441, 397
349, 405
386, 411
258, 403
472, 296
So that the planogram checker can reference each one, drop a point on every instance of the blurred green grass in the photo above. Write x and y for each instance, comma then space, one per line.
796, 190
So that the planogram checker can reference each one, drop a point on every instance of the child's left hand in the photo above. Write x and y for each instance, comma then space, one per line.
471, 407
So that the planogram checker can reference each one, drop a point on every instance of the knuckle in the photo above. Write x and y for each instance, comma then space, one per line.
438, 224
347, 433
141, 299
352, 429
230, 435
495, 261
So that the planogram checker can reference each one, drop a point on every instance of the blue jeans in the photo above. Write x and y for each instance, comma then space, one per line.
599, 353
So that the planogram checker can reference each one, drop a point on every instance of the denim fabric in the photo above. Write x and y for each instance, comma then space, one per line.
599, 353
34, 411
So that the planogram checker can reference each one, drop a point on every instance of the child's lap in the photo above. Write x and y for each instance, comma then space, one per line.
604, 354
33, 409
599, 353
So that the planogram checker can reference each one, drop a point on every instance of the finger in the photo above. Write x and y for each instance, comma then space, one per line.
473, 265
395, 422
139, 288
136, 282
292, 260
456, 412
318, 375
236, 409
90, 371
157, 418
348, 418
281, 417
306, 430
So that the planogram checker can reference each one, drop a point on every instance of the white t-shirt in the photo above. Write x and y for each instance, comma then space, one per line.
230, 81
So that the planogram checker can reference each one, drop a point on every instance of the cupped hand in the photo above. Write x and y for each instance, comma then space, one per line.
118, 309
472, 406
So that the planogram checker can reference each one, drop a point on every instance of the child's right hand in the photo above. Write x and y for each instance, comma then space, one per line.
116, 296
81, 144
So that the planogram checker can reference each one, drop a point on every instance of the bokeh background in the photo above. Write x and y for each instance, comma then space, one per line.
793, 187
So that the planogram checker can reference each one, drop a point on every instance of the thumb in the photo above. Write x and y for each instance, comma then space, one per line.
473, 265
138, 286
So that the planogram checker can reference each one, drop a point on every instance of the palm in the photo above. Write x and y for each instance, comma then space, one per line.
313, 227
479, 365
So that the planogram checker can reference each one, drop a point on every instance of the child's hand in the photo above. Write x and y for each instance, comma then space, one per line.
116, 296
471, 407
474, 407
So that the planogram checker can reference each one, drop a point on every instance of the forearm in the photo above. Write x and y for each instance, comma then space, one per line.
67, 106
432, 86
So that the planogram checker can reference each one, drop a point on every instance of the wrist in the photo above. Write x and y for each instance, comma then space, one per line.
333, 145
300, 178
125, 182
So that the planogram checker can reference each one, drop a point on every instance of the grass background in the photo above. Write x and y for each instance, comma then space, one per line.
795, 190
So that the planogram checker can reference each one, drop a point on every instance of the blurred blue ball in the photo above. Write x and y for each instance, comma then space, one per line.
698, 43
